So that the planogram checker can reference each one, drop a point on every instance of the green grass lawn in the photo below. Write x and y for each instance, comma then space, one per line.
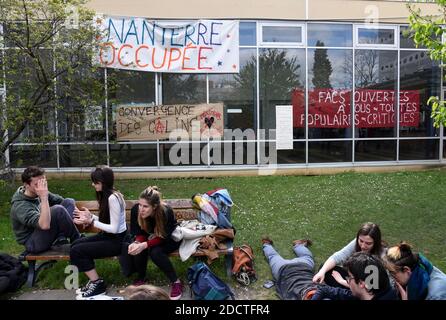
328, 209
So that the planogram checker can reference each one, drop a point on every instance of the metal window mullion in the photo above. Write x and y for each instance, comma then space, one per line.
56, 114
258, 92
397, 107
5, 137
306, 105
352, 106
107, 138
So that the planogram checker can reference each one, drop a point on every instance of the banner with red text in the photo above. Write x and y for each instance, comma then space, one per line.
201, 46
330, 108
148, 122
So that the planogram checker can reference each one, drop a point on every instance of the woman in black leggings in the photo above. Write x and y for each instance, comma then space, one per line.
151, 225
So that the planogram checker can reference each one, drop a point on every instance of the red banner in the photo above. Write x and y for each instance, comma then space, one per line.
329, 108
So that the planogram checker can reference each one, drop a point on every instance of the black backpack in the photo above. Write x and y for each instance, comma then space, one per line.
205, 285
12, 273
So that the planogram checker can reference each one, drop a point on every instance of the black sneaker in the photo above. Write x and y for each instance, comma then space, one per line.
84, 288
60, 241
95, 288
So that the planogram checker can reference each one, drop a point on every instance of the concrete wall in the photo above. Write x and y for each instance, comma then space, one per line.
350, 10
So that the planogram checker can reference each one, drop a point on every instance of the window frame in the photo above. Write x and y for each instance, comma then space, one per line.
262, 43
396, 35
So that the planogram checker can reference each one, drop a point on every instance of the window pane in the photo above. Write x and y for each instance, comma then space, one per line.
186, 154
129, 87
375, 77
247, 33
82, 155
376, 36
24, 156
374, 150
406, 38
184, 88
330, 89
282, 82
297, 155
419, 149
230, 153
420, 79
281, 34
330, 151
330, 35
133, 155
237, 92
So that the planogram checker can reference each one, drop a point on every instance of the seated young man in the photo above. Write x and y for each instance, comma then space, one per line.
294, 277
38, 216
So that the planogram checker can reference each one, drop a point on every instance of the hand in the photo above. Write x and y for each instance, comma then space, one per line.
319, 277
136, 248
337, 276
42, 188
83, 217
402, 291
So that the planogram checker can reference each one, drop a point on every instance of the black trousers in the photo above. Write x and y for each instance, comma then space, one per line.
158, 254
61, 225
101, 245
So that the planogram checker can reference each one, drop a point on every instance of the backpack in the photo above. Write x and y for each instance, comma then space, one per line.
243, 265
12, 273
205, 285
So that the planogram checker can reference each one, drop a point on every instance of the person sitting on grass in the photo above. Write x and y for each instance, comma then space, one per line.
294, 277
368, 239
40, 218
151, 225
416, 278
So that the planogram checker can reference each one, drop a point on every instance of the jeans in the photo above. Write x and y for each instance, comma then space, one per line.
276, 262
61, 225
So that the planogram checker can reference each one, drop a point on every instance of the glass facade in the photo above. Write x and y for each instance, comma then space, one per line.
358, 95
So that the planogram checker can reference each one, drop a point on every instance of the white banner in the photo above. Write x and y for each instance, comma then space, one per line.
202, 46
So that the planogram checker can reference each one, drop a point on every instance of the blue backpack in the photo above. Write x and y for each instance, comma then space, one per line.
205, 285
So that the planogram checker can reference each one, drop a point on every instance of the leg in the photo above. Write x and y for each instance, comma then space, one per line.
274, 259
303, 254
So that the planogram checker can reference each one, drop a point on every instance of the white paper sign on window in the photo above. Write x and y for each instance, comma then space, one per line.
284, 127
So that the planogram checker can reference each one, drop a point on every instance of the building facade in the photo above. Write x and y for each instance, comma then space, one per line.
357, 85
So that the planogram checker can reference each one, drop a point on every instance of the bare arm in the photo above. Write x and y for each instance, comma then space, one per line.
45, 215
328, 265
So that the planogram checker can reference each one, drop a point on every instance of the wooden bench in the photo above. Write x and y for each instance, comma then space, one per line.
181, 207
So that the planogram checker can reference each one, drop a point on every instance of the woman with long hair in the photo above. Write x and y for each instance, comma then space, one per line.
416, 278
108, 242
368, 239
151, 226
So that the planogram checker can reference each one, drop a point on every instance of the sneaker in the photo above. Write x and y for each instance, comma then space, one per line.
267, 240
84, 288
95, 288
177, 290
305, 242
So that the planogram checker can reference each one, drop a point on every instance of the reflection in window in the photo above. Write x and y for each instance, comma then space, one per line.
128, 87
376, 36
375, 150
237, 92
184, 88
282, 82
406, 38
233, 153
24, 156
281, 34
247, 33
132, 155
375, 93
330, 87
419, 149
332, 35
187, 154
329, 151
82, 155
419, 80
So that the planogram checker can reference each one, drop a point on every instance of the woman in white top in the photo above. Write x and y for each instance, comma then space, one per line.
368, 239
108, 242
